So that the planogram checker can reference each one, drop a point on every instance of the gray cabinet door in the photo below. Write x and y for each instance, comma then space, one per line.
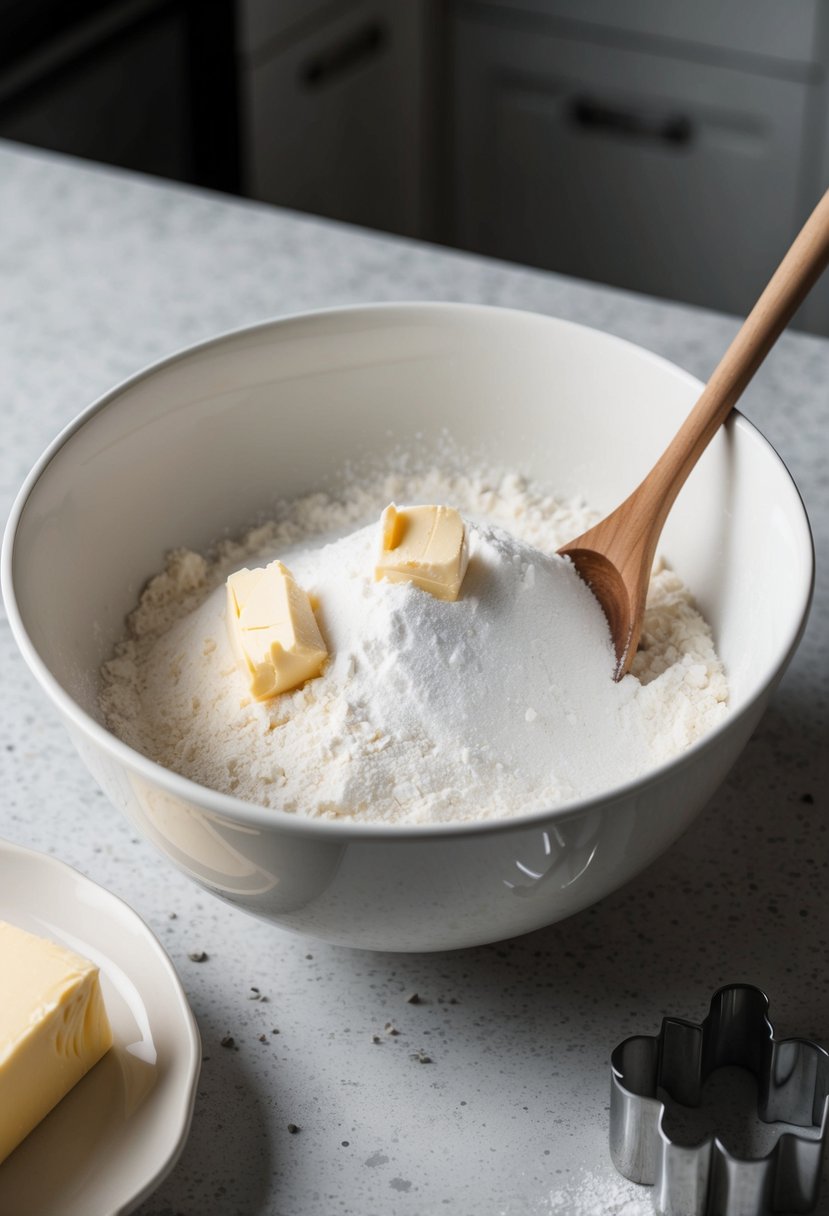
631, 167
333, 118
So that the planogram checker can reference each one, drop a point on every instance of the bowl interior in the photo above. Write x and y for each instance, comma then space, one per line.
201, 445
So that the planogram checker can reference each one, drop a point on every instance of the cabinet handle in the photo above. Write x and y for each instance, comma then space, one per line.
594, 115
350, 52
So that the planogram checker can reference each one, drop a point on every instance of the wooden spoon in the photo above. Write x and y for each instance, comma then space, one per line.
616, 556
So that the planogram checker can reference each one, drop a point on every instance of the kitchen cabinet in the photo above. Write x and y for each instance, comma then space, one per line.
333, 100
667, 148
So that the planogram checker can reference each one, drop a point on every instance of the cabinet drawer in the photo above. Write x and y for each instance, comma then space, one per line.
639, 169
259, 23
326, 118
785, 31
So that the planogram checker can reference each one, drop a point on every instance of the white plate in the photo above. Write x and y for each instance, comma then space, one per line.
109, 1143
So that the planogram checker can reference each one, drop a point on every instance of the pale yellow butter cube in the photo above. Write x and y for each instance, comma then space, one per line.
273, 630
53, 1028
426, 546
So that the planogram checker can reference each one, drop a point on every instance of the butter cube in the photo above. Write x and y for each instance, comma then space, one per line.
53, 1028
273, 630
426, 546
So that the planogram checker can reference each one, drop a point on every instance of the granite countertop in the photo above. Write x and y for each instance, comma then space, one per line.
102, 272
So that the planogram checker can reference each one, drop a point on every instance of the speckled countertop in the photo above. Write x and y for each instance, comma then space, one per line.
103, 272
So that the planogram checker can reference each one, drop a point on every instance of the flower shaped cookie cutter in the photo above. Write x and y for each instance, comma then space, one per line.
706, 1179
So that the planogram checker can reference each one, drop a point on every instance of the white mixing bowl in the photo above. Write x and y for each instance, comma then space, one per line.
201, 444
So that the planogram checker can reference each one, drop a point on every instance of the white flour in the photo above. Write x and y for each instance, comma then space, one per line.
494, 705
600, 1195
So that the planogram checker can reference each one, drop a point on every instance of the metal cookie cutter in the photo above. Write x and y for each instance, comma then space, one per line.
706, 1179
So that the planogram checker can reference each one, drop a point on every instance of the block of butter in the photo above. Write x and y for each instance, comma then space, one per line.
273, 630
53, 1028
426, 546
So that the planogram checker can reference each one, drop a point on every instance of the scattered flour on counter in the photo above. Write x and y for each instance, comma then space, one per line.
427, 711
587, 1193
600, 1195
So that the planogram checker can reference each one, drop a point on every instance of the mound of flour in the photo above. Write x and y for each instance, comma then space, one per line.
497, 704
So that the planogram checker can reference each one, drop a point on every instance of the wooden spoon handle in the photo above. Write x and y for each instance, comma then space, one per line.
800, 269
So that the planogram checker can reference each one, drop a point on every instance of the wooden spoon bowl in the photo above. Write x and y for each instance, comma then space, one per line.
616, 555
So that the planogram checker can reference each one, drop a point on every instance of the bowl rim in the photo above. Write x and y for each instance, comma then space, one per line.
236, 810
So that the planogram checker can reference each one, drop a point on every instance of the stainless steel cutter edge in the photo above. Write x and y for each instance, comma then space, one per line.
706, 1179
